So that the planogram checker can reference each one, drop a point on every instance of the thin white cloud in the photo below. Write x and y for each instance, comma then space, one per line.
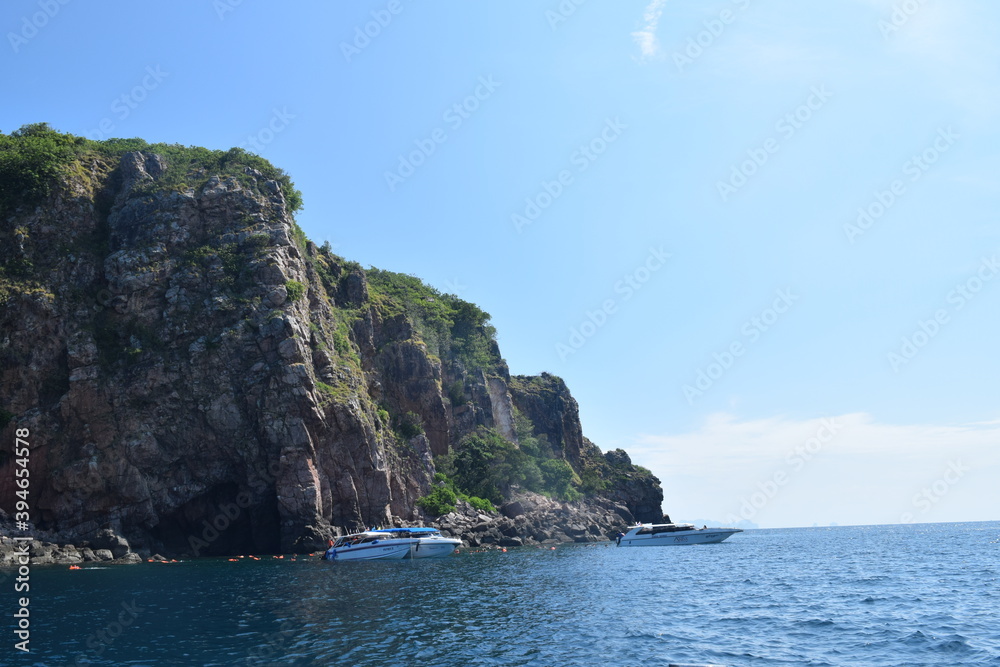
645, 37
848, 469
947, 45
948, 42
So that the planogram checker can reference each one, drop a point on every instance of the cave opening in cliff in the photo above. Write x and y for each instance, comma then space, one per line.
224, 521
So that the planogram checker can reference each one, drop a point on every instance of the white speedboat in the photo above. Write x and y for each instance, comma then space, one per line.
664, 534
425, 542
392, 544
368, 545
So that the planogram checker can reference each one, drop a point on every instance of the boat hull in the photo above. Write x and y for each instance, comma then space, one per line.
703, 536
436, 548
381, 551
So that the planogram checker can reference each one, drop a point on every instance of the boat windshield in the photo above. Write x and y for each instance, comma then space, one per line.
664, 528
351, 540
385, 534
390, 533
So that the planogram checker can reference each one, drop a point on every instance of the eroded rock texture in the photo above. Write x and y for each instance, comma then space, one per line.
196, 376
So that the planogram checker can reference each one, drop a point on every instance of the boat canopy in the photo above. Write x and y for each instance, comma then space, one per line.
406, 530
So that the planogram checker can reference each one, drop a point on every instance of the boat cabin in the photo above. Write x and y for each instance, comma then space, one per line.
358, 538
656, 528
409, 532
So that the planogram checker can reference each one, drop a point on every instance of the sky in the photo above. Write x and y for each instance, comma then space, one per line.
758, 240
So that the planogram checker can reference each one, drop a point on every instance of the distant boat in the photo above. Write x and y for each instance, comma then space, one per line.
392, 544
673, 534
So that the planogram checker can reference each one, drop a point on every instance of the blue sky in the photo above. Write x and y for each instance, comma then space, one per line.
722, 223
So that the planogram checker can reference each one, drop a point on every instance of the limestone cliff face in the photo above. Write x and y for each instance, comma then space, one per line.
546, 401
193, 372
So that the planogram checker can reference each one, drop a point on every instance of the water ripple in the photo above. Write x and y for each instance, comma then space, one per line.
874, 596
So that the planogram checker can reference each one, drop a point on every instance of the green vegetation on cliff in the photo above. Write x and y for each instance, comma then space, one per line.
33, 157
442, 499
363, 339
30, 162
541, 457
487, 465
448, 325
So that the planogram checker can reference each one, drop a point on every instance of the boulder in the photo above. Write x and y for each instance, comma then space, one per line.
108, 540
508, 530
512, 510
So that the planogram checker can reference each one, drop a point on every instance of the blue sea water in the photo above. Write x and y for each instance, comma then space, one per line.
922, 594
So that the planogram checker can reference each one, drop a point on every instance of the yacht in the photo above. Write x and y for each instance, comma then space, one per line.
664, 534
367, 545
427, 542
392, 544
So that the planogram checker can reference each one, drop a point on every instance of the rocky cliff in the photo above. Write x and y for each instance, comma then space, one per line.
195, 374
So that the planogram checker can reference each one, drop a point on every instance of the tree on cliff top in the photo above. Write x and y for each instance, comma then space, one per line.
32, 158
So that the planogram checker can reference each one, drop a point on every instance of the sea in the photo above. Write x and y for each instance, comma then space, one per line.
918, 594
